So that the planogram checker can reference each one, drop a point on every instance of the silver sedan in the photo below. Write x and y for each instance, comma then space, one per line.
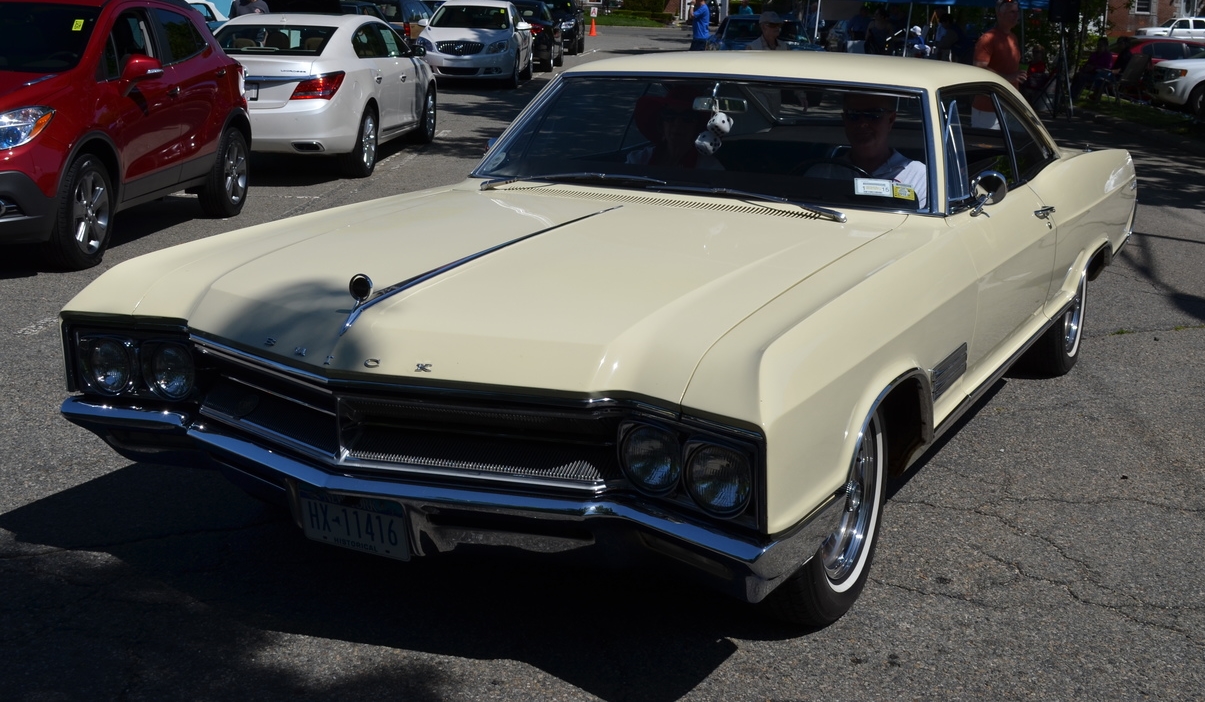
331, 84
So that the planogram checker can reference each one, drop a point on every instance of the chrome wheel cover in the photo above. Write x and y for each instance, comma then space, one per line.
234, 170
1073, 319
429, 117
368, 144
90, 212
844, 549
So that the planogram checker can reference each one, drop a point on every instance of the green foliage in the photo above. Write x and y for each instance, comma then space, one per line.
643, 6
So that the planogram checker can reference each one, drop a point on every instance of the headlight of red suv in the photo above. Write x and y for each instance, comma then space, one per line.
20, 126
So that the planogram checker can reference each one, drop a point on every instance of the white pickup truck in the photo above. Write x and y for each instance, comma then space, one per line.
1181, 27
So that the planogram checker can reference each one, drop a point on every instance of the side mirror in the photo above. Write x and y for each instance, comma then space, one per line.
423, 22
996, 187
523, 27
418, 50
137, 69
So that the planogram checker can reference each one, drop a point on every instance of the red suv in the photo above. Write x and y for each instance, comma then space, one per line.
108, 104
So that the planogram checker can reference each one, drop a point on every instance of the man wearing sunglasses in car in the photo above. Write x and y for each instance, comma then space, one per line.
868, 120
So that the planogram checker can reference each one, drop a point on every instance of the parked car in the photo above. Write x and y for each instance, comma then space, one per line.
591, 350
214, 17
331, 84
433, 5
546, 35
479, 39
1179, 27
100, 111
361, 7
406, 16
737, 31
572, 18
1161, 48
1182, 83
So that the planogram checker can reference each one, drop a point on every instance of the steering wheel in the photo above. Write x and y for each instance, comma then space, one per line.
807, 165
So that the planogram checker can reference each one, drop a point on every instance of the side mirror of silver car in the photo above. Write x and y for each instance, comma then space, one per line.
996, 187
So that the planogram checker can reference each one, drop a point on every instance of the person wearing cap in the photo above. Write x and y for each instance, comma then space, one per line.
916, 43
998, 51
771, 28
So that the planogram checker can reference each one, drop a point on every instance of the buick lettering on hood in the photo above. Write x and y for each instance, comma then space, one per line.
689, 312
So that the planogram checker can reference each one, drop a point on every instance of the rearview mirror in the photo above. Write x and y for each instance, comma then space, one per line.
721, 104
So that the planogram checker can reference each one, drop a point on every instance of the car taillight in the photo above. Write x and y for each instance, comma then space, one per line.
320, 88
536, 29
406, 29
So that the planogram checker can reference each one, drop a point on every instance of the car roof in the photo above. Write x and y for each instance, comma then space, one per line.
477, 3
295, 18
865, 69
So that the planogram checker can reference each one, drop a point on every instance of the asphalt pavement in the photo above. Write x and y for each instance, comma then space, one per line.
1049, 549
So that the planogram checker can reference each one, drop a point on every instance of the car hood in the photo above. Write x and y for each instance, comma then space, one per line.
1187, 64
21, 89
587, 293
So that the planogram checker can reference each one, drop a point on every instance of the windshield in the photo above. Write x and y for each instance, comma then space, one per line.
471, 17
534, 11
786, 139
748, 30
39, 37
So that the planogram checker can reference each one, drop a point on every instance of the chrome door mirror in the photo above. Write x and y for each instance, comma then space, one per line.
996, 187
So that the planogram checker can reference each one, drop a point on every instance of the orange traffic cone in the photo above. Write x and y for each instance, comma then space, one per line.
593, 31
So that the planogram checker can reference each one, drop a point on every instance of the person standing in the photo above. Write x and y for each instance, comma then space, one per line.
746, 8
771, 27
248, 7
700, 22
998, 51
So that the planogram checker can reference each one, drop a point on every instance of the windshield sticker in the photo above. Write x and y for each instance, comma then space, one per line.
873, 186
902, 192
77, 26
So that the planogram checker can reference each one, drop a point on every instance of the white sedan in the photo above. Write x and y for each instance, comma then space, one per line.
331, 84
479, 39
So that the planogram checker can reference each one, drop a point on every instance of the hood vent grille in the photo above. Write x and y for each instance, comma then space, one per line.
730, 206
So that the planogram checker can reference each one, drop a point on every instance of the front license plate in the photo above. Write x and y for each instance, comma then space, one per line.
253, 91
361, 524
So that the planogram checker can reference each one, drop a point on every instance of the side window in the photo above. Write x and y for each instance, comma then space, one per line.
972, 140
130, 37
367, 43
1167, 50
1030, 151
1198, 24
394, 46
183, 39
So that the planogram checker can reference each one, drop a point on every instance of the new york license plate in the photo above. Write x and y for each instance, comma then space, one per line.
361, 524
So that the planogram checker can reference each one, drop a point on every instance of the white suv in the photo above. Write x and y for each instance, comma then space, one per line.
1182, 27
1182, 82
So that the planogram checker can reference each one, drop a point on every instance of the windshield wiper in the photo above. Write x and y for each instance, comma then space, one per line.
834, 215
576, 177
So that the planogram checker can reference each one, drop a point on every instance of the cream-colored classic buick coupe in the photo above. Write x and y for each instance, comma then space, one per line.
690, 309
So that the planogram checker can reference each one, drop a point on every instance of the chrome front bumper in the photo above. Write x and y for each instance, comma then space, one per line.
441, 517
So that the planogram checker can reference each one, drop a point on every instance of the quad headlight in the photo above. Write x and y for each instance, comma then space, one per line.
108, 364
111, 364
652, 458
719, 479
168, 370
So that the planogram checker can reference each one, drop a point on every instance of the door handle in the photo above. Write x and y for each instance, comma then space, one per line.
174, 91
221, 72
403, 77
378, 78
1044, 213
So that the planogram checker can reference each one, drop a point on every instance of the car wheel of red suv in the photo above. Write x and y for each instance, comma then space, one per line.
225, 191
81, 230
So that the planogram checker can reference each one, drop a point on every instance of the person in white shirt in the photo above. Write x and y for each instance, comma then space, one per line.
868, 121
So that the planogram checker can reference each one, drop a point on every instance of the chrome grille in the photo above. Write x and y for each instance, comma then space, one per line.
418, 430
459, 48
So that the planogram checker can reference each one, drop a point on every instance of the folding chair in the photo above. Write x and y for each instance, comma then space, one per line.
1130, 79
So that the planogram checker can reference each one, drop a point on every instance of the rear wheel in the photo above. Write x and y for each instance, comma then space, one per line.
573, 46
225, 189
1057, 350
828, 584
363, 157
85, 211
424, 133
559, 60
581, 42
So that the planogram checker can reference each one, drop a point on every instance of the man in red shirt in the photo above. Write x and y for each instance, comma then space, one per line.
998, 50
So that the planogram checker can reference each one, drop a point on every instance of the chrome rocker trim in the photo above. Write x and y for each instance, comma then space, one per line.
747, 568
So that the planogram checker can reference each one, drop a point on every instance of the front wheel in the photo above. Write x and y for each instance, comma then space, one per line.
363, 157
1057, 350
512, 81
828, 584
85, 212
526, 73
1196, 102
225, 189
560, 55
